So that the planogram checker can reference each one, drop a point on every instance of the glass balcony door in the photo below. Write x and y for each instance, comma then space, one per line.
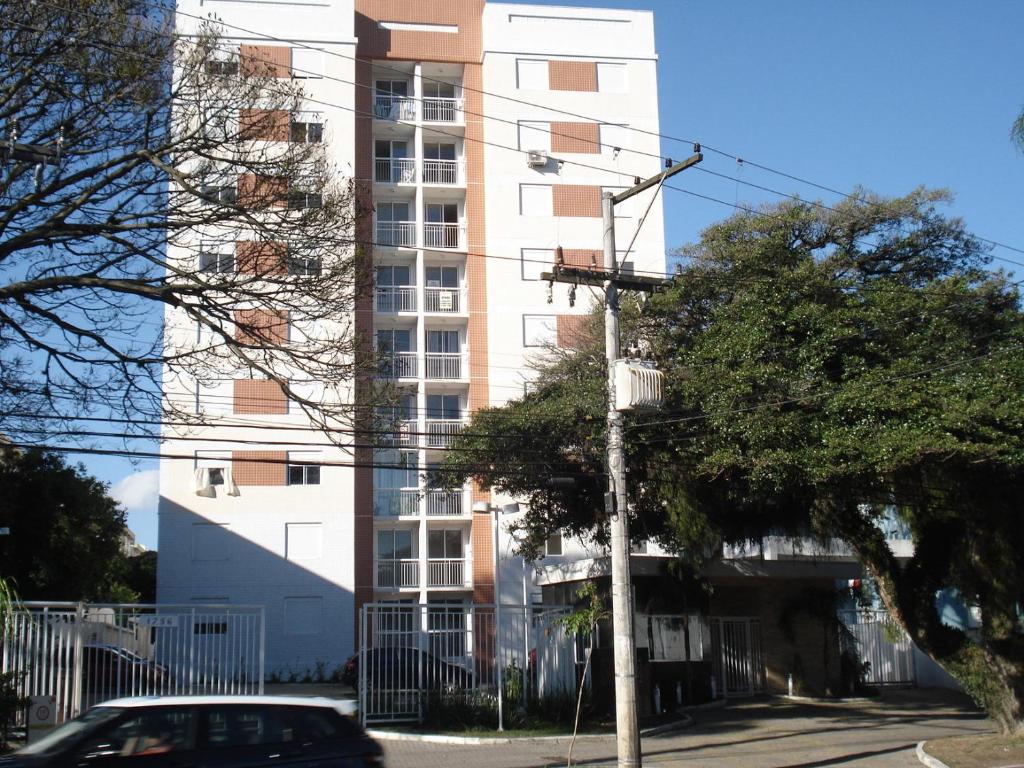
391, 162
395, 288
439, 164
441, 229
391, 100
395, 355
442, 293
394, 226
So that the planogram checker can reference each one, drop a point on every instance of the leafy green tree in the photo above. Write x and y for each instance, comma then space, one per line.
65, 540
1017, 130
823, 368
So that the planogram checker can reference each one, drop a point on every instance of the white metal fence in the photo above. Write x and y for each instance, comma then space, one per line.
884, 645
415, 656
82, 654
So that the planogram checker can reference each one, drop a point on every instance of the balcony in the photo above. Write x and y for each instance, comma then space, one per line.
445, 366
447, 234
398, 574
397, 233
441, 109
441, 172
395, 298
396, 502
387, 107
446, 572
441, 503
443, 300
398, 434
394, 170
441, 431
398, 365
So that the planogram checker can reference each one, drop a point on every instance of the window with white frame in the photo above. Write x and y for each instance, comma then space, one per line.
304, 193
219, 191
534, 135
222, 61
532, 74
217, 463
304, 265
215, 397
535, 200
303, 468
306, 128
535, 261
307, 63
612, 78
539, 330
614, 136
216, 257
623, 210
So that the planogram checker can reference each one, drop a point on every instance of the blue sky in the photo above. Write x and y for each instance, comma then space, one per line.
887, 95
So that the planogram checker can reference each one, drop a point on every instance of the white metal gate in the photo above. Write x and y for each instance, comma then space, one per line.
413, 654
86, 653
737, 655
884, 645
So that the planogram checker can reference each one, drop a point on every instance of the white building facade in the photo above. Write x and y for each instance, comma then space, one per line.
484, 134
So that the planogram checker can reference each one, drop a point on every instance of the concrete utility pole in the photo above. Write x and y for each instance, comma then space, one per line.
616, 505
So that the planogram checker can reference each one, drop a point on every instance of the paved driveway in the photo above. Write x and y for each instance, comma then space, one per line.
763, 733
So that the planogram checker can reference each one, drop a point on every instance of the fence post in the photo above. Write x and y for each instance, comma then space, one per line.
363, 697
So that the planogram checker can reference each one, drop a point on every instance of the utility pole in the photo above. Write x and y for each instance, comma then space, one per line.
616, 505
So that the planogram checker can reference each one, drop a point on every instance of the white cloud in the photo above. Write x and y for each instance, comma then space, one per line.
139, 491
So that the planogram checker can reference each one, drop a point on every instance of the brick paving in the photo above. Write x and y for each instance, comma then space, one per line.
764, 733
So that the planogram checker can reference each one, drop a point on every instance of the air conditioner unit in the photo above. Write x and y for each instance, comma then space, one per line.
637, 385
536, 158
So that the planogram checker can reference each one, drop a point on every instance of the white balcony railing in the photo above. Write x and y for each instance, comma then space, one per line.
441, 431
444, 365
388, 107
440, 109
445, 234
443, 299
445, 503
398, 365
440, 172
396, 233
398, 574
396, 502
446, 572
395, 298
394, 170
398, 433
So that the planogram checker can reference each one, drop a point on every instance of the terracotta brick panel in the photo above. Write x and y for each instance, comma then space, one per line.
379, 43
255, 192
571, 330
258, 326
265, 60
261, 259
581, 138
265, 124
583, 257
482, 536
259, 467
572, 75
259, 396
576, 200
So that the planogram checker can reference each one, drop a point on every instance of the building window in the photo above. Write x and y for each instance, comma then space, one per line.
611, 78
222, 67
303, 474
534, 136
307, 63
302, 194
535, 261
535, 200
445, 544
553, 546
306, 128
211, 259
532, 74
539, 330
304, 266
222, 194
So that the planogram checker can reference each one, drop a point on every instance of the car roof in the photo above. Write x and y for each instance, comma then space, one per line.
341, 705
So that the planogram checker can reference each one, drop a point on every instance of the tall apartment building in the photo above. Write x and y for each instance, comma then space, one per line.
485, 134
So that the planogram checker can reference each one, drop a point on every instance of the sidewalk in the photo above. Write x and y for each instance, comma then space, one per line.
766, 733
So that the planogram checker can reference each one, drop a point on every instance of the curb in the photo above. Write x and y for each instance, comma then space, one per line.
827, 699
926, 759
713, 704
437, 738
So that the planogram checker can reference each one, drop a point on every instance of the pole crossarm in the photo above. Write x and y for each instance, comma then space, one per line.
668, 173
29, 153
582, 276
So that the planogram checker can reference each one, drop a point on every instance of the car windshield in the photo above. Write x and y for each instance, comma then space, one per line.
71, 731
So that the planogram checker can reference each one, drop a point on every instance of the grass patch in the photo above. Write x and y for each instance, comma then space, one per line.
981, 751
